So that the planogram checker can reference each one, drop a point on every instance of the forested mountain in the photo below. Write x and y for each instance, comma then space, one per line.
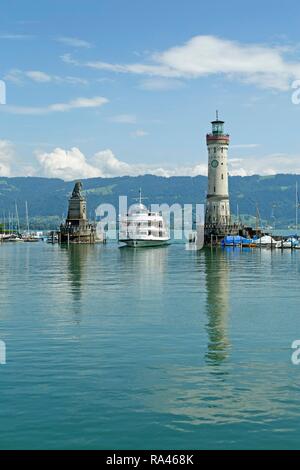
47, 198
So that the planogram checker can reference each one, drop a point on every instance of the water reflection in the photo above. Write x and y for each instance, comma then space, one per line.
217, 305
144, 268
77, 261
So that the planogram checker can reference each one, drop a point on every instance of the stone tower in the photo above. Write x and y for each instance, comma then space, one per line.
77, 205
217, 216
77, 228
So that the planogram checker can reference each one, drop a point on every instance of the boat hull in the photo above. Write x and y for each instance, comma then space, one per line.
144, 243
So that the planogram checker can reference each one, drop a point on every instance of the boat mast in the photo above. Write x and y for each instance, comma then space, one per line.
273, 217
17, 219
27, 218
257, 219
297, 206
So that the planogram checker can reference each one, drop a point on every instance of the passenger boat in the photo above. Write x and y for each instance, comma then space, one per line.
142, 228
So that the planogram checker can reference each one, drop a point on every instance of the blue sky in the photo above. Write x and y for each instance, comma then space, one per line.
114, 87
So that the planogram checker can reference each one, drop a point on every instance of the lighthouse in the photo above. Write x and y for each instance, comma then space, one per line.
217, 216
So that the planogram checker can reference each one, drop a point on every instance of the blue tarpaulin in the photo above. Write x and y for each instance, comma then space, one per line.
236, 240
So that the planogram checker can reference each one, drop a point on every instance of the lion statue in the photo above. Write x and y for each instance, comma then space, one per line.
77, 189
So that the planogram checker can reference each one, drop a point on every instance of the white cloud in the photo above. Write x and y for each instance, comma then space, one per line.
160, 84
72, 164
6, 157
68, 59
261, 65
19, 77
95, 102
111, 166
74, 42
66, 164
244, 146
264, 165
77, 103
71, 80
15, 36
124, 119
38, 76
139, 133
14, 76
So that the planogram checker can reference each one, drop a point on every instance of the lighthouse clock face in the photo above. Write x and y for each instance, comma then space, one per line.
214, 163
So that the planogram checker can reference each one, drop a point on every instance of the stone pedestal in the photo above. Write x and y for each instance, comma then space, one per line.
77, 228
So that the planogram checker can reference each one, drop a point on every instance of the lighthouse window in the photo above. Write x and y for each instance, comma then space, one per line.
215, 150
214, 189
222, 149
222, 176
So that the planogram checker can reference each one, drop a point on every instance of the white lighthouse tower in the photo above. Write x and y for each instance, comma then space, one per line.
217, 216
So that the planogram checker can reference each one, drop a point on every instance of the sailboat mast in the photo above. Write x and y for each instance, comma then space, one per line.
297, 206
27, 217
17, 219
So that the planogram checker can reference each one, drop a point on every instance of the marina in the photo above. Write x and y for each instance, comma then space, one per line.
149, 232
142, 227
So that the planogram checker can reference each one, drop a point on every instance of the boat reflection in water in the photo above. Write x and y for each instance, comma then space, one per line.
144, 269
217, 305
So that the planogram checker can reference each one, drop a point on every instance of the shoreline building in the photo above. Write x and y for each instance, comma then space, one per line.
77, 228
217, 215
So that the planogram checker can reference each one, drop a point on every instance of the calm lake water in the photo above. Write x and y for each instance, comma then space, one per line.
151, 348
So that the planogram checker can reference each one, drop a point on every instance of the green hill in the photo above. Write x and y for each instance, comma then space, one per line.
47, 198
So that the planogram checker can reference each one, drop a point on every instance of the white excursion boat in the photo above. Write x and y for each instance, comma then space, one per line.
141, 228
